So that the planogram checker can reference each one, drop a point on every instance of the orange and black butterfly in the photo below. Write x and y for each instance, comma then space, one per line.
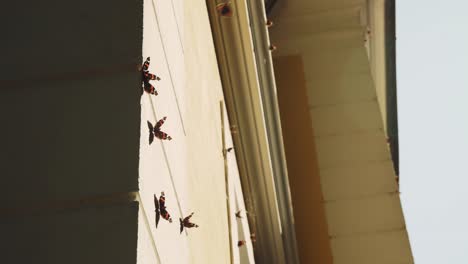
162, 208
147, 77
155, 131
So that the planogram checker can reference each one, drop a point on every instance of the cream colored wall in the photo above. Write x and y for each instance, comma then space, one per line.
303, 169
189, 168
365, 17
360, 194
376, 51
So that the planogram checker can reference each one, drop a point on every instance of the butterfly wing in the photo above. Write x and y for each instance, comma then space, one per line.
151, 135
158, 214
150, 126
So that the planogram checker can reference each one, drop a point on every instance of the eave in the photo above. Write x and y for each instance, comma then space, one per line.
246, 72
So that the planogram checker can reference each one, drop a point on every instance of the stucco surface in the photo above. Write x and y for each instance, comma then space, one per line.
189, 168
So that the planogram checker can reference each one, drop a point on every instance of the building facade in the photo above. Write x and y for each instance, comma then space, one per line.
312, 125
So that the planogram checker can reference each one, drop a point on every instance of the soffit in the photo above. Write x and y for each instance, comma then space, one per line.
360, 193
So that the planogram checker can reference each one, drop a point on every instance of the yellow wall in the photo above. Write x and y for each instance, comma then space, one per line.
309, 212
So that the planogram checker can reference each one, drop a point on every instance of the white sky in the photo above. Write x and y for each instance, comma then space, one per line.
432, 73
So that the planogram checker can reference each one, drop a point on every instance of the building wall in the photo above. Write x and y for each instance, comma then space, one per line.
360, 193
309, 212
78, 173
69, 108
376, 50
190, 167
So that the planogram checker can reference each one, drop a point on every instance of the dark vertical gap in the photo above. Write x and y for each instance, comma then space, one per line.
390, 60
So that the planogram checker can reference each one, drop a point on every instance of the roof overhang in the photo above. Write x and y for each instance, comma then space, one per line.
379, 19
347, 89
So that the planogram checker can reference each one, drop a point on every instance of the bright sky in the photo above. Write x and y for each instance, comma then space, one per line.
432, 73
